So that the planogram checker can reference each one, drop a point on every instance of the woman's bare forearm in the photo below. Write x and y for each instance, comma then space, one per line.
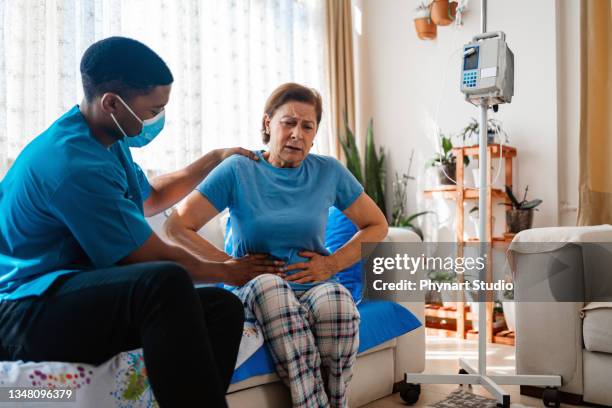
195, 243
350, 252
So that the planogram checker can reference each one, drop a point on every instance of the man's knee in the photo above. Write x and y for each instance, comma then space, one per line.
166, 277
218, 300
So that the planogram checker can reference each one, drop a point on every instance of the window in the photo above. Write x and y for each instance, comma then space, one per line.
226, 57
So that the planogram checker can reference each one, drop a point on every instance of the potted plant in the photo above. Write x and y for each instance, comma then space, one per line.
446, 162
373, 176
399, 216
425, 28
443, 12
472, 131
520, 217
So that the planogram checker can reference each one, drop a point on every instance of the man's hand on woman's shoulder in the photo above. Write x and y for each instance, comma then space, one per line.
230, 151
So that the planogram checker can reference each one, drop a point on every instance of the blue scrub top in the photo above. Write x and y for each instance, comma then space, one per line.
280, 211
68, 204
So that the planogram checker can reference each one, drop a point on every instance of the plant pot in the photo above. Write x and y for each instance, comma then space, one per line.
443, 12
519, 220
445, 172
425, 28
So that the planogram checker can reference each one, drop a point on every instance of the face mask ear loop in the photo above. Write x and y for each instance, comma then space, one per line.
115, 119
130, 109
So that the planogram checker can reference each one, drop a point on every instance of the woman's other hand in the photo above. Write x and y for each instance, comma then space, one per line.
241, 270
318, 268
230, 151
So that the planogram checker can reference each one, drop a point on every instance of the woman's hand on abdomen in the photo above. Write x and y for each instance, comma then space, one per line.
318, 268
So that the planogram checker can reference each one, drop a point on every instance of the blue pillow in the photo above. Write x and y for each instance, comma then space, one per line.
339, 231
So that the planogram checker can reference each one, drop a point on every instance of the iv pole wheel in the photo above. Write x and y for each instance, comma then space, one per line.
551, 397
461, 372
410, 392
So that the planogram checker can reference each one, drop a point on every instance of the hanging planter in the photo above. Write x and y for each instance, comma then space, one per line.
443, 12
425, 28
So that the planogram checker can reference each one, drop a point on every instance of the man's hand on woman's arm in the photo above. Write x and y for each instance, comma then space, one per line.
169, 189
237, 272
372, 226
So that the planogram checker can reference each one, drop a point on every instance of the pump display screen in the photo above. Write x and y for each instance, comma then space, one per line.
471, 61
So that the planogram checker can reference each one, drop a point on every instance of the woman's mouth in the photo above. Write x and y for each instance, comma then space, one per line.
293, 148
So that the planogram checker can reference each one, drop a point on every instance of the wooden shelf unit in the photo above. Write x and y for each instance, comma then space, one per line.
459, 193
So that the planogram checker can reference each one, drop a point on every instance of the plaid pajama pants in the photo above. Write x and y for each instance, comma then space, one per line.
313, 336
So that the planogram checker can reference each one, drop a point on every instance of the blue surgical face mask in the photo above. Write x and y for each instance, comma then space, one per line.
150, 127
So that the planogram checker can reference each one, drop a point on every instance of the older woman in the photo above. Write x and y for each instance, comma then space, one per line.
279, 206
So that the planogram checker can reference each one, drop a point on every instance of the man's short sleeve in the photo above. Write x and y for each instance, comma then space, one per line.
348, 189
218, 187
143, 182
93, 205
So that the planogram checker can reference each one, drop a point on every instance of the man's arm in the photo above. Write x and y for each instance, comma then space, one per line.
169, 189
234, 271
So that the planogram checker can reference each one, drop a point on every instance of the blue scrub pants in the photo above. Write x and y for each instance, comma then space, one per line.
190, 337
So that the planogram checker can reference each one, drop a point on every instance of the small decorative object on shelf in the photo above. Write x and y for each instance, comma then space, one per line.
425, 28
469, 134
520, 217
445, 161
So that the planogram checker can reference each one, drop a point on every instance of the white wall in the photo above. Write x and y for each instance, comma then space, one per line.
568, 106
402, 79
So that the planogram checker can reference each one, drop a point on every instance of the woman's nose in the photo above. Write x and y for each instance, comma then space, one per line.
297, 133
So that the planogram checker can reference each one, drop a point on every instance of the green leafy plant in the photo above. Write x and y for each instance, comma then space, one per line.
399, 218
494, 126
523, 204
446, 156
374, 177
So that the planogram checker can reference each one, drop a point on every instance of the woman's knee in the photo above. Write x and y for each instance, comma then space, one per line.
332, 301
266, 283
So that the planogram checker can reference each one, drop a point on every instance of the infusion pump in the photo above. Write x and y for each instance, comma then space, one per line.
487, 74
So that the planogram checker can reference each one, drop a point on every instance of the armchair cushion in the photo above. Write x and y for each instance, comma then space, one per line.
597, 327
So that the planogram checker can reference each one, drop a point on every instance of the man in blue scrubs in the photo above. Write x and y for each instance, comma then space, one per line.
82, 275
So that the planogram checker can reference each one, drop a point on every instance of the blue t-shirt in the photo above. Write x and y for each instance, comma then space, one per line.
280, 211
67, 204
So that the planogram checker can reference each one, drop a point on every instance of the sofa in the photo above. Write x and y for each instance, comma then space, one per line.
571, 337
377, 370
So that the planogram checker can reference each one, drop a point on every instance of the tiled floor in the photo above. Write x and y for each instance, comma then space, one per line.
442, 358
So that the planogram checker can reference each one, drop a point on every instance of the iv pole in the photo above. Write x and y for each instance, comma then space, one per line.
468, 374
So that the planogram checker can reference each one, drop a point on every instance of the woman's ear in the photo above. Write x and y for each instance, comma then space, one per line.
266, 123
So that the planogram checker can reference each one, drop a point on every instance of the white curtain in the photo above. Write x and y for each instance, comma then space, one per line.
226, 58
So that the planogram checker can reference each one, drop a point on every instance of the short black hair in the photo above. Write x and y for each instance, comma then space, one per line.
124, 66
